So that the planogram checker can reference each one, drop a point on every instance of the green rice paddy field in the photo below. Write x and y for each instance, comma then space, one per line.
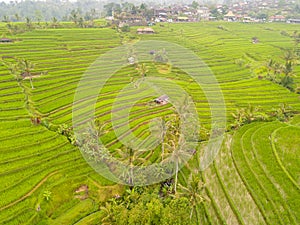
255, 178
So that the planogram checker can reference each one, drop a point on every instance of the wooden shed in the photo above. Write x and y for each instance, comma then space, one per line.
162, 100
146, 30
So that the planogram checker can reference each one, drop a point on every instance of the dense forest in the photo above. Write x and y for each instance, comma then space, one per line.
47, 10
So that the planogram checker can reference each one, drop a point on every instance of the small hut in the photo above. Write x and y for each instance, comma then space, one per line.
5, 40
131, 60
147, 30
255, 40
183, 19
162, 100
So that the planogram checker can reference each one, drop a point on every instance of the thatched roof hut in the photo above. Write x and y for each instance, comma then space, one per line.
162, 100
5, 40
146, 30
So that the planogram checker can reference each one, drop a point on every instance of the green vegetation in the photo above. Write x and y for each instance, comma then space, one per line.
254, 179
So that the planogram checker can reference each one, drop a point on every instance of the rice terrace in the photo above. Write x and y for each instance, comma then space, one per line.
236, 160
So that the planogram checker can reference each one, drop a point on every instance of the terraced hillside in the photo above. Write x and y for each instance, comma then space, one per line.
254, 180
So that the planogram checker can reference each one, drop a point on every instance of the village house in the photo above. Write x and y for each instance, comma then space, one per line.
293, 21
277, 18
229, 17
182, 19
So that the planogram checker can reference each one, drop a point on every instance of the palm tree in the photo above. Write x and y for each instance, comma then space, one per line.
47, 195
193, 192
26, 68
288, 82
143, 70
289, 55
251, 113
131, 157
177, 155
81, 22
17, 16
160, 131
93, 14
109, 214
239, 118
284, 112
74, 16
269, 66
5, 19
160, 172
277, 70
28, 22
54, 22
288, 68
132, 196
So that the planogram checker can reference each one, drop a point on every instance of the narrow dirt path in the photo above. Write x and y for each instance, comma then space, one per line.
30, 192
102, 187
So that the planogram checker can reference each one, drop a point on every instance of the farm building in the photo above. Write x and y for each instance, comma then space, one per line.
162, 100
147, 30
230, 16
277, 18
183, 19
293, 21
5, 40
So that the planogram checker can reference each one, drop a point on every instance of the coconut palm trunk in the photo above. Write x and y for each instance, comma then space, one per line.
31, 83
176, 176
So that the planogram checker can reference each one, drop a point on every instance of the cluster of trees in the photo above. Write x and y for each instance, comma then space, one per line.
20, 69
59, 9
154, 204
157, 205
251, 114
122, 10
47, 10
75, 16
283, 73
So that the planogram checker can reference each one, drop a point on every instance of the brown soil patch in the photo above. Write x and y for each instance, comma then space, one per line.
35, 76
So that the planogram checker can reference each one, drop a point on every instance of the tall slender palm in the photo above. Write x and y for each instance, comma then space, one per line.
269, 66
193, 192
130, 158
26, 68
47, 194
239, 118
288, 68
74, 16
5, 19
54, 22
108, 217
177, 155
28, 22
289, 55
160, 130
17, 16
143, 70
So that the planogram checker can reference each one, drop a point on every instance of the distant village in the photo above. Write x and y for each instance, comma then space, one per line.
255, 11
